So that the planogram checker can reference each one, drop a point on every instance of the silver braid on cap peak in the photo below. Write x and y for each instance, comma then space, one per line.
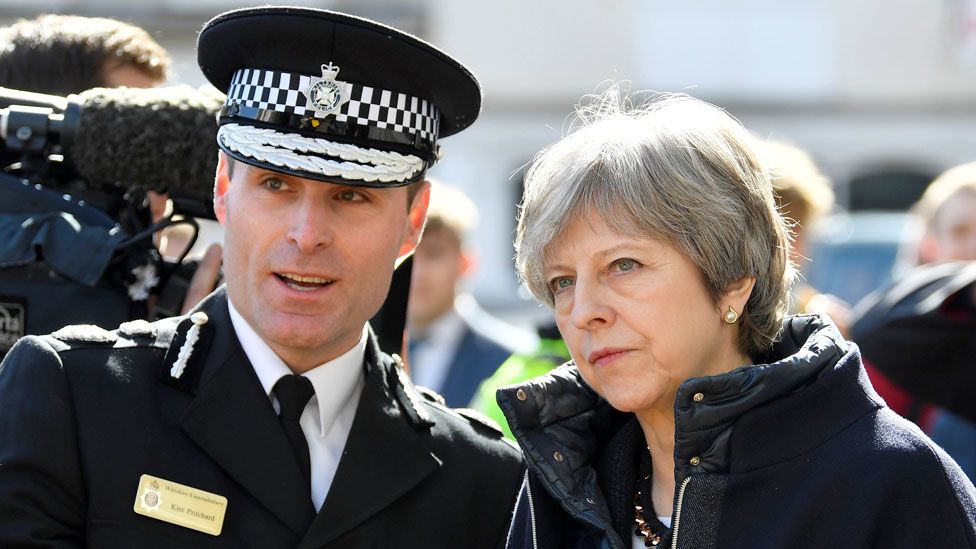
282, 149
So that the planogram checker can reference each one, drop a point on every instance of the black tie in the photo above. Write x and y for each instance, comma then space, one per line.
293, 393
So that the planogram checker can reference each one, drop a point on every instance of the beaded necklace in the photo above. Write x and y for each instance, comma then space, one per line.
649, 528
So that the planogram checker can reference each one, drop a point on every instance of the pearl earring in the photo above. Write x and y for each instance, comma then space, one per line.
730, 316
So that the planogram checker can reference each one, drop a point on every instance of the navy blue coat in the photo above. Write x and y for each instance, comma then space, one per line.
476, 359
796, 452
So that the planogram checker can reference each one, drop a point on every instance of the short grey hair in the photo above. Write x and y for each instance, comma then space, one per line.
671, 168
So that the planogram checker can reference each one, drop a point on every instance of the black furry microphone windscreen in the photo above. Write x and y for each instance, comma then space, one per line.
160, 138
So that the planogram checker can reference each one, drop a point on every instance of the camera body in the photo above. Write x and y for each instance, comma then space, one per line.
73, 252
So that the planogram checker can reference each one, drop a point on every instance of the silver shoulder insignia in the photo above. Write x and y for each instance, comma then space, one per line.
85, 332
198, 318
137, 328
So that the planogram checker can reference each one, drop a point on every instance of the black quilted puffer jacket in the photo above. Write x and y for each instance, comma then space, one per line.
796, 452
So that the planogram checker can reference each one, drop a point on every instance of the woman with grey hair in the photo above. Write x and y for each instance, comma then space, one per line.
694, 412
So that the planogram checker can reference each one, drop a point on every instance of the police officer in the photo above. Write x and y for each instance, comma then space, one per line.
268, 417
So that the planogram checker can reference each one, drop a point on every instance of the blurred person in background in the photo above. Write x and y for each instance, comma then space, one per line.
921, 333
948, 212
66, 54
803, 195
549, 353
454, 343
695, 413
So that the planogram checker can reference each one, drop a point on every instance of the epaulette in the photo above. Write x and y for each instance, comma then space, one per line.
483, 420
431, 395
410, 397
85, 333
472, 417
469, 414
137, 328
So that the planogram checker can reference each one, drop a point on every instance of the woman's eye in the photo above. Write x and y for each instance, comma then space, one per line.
560, 283
624, 265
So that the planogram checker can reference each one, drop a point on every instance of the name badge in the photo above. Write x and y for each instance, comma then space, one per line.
181, 505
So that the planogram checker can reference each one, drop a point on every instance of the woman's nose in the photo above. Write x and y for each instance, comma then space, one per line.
590, 306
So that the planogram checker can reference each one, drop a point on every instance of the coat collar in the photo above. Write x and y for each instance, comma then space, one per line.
810, 348
560, 413
232, 420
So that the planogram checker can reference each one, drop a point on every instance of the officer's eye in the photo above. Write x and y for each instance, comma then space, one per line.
350, 195
275, 184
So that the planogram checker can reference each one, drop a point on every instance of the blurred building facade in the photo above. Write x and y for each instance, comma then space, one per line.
878, 91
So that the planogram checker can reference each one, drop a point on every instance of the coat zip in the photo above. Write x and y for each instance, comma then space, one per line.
611, 534
677, 512
528, 491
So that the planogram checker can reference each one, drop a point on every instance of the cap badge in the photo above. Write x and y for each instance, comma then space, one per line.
326, 94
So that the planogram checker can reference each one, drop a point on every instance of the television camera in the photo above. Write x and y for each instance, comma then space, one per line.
78, 243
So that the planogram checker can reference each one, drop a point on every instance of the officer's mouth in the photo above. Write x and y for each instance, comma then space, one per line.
303, 283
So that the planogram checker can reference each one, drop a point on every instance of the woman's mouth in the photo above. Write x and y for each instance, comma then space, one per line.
605, 356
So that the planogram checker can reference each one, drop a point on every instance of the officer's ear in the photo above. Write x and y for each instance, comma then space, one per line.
415, 219
221, 184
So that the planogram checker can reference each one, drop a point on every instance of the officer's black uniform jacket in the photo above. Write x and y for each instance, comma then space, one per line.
86, 412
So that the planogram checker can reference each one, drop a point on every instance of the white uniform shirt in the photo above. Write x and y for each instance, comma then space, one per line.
327, 418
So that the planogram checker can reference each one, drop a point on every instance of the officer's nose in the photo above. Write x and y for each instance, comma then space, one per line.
311, 227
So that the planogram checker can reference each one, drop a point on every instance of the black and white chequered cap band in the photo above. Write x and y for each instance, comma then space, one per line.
283, 92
